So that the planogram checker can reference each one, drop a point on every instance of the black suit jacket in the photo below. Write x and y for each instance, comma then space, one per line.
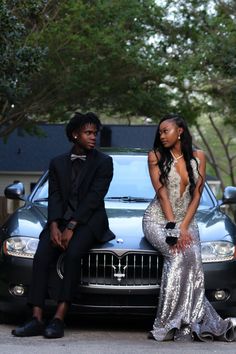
93, 184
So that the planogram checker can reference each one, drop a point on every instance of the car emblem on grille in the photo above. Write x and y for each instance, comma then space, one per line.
119, 271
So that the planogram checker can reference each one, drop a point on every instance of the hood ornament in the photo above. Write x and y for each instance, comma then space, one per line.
119, 271
120, 240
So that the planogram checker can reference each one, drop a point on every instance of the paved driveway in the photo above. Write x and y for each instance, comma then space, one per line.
101, 337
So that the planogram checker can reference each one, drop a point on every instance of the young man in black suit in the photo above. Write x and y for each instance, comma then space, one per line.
78, 183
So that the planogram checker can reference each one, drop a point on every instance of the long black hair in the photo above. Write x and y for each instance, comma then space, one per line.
166, 159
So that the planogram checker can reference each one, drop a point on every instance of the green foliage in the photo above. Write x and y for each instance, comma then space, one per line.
100, 57
73, 54
19, 58
121, 58
203, 57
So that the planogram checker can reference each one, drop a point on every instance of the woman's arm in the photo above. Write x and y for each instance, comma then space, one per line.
197, 192
185, 237
161, 190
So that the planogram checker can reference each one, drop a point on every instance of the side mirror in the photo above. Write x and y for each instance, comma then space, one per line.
229, 195
15, 191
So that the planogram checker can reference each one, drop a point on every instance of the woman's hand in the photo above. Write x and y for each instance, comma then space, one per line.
185, 239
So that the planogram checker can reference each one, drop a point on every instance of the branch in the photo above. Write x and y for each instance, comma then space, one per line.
10, 128
5, 107
51, 17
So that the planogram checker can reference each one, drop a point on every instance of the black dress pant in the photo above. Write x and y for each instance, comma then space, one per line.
82, 240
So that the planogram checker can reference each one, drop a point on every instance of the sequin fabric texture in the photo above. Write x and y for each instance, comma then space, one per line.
183, 311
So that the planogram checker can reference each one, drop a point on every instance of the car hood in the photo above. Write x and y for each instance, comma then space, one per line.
125, 220
26, 221
215, 225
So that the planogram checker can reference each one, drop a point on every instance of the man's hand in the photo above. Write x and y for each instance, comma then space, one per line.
55, 234
65, 238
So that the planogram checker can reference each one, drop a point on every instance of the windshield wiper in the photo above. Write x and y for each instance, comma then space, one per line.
129, 199
40, 200
123, 199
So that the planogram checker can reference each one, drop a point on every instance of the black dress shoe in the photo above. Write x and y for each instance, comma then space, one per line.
30, 329
55, 329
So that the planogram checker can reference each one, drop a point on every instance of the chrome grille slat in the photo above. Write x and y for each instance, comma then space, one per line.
142, 268
81, 269
104, 269
149, 269
89, 268
96, 267
127, 269
134, 269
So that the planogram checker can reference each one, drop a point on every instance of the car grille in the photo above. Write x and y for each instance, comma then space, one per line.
108, 269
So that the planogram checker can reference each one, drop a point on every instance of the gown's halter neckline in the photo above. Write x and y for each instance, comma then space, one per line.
176, 158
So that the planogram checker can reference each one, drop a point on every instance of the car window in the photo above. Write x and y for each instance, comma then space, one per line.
40, 193
207, 199
130, 179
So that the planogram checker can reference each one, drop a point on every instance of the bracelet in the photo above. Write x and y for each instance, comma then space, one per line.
170, 225
172, 233
71, 225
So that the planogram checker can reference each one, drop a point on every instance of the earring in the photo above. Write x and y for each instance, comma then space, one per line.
76, 137
179, 137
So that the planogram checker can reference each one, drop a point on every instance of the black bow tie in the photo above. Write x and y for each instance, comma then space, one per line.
74, 157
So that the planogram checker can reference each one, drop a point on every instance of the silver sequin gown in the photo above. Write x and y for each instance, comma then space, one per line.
183, 310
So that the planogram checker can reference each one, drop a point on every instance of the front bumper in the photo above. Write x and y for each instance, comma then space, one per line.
16, 271
221, 276
113, 299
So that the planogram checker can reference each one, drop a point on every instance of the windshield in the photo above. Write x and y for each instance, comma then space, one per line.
130, 183
131, 178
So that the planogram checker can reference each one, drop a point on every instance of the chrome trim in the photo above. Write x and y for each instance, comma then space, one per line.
120, 287
117, 307
120, 252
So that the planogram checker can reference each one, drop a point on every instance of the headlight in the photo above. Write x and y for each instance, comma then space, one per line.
218, 251
20, 246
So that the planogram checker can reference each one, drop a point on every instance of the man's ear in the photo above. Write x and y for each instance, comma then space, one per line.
75, 135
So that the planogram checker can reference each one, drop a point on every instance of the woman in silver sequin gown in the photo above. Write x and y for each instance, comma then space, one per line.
177, 174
